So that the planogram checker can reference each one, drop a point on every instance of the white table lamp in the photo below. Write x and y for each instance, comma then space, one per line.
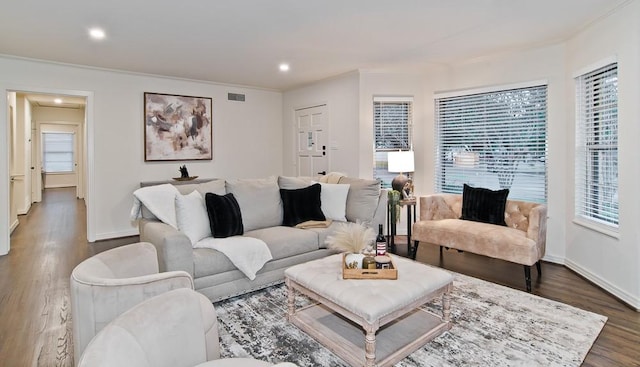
401, 162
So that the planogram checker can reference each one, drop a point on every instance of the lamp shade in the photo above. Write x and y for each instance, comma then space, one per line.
401, 161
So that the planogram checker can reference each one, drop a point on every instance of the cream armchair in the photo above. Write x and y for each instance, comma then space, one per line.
175, 329
109, 283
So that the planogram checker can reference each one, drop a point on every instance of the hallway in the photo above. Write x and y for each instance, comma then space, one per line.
34, 280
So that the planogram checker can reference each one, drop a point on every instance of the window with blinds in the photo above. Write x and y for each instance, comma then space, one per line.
597, 146
392, 128
496, 140
57, 152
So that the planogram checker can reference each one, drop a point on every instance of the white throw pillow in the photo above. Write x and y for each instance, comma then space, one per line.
333, 201
192, 217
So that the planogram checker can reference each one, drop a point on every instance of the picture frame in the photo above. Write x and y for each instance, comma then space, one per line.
177, 127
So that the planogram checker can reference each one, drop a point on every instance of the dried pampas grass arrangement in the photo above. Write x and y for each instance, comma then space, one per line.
351, 237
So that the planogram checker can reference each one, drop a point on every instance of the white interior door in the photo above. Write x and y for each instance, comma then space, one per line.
312, 141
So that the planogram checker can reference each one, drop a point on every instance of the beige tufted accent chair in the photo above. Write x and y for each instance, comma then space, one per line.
522, 241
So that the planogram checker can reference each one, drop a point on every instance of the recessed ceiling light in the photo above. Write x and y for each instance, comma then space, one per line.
97, 33
284, 67
57, 100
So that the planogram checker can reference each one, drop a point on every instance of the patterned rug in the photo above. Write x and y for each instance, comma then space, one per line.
492, 326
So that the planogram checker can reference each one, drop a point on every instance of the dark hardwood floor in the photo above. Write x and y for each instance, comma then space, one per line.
50, 241
34, 281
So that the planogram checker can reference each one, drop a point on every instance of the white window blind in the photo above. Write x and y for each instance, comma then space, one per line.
392, 126
597, 146
494, 140
57, 152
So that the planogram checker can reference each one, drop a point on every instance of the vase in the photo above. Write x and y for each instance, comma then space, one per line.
353, 261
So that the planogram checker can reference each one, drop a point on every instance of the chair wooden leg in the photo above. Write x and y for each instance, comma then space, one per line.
527, 277
415, 249
539, 268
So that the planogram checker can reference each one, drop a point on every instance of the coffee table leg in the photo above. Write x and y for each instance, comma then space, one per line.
446, 307
370, 346
291, 300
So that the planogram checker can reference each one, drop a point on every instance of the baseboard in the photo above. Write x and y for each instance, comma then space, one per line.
624, 296
13, 226
554, 259
119, 234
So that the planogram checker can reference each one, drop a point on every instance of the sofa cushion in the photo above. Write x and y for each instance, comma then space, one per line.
192, 217
362, 199
214, 186
289, 183
301, 205
259, 201
208, 262
286, 241
225, 218
323, 233
484, 205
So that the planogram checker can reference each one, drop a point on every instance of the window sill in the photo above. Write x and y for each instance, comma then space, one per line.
598, 227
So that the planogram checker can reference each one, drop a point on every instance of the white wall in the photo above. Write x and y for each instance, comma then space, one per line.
247, 135
340, 94
613, 263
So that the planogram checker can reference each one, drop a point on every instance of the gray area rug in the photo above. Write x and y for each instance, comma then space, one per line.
492, 326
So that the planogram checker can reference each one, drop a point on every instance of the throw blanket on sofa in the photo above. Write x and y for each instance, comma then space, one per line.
159, 199
248, 254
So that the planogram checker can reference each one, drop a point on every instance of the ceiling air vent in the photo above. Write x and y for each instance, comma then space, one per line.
236, 97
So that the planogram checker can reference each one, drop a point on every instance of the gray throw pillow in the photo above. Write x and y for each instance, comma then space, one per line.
259, 201
362, 199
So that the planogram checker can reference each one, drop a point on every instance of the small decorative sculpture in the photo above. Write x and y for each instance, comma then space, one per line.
183, 172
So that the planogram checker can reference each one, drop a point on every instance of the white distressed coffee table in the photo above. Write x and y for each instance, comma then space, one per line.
369, 322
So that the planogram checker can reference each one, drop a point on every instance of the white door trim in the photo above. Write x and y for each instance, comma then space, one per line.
5, 234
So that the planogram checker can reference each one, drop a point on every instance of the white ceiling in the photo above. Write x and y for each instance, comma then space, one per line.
243, 41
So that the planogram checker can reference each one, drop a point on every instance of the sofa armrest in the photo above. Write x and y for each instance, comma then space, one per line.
434, 207
173, 247
537, 230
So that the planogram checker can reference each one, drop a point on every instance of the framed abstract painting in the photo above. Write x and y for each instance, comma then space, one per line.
177, 128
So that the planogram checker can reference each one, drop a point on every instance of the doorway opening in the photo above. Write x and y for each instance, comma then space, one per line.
48, 148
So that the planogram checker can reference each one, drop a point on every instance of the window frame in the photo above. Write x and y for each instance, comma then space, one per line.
72, 152
379, 154
478, 155
595, 114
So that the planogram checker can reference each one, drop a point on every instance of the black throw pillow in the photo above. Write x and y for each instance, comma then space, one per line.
225, 218
301, 205
484, 205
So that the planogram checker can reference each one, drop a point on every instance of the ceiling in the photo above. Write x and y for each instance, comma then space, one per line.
48, 100
243, 41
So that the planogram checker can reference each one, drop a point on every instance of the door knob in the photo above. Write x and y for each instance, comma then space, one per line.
322, 173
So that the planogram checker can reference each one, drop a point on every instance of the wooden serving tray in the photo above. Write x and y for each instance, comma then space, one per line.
391, 273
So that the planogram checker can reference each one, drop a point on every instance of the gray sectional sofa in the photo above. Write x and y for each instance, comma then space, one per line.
214, 274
